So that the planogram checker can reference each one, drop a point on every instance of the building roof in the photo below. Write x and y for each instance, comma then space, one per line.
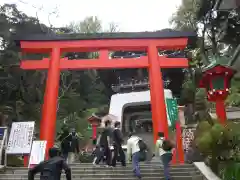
163, 34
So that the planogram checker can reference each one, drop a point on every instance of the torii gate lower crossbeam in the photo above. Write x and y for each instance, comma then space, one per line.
152, 61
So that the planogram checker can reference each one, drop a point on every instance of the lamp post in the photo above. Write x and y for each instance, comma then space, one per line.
216, 80
94, 121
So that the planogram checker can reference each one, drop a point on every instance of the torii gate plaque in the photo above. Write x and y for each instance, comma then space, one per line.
103, 43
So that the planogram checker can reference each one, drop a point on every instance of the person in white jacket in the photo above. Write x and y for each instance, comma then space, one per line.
133, 153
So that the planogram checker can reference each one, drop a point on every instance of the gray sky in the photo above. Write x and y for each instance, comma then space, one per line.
129, 15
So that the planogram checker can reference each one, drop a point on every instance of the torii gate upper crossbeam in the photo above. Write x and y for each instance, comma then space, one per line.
141, 62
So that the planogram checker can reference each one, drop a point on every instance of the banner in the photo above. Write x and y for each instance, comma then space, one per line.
172, 111
37, 153
20, 139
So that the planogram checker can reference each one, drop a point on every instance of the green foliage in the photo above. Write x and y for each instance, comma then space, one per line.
21, 91
212, 139
204, 126
219, 144
14, 161
86, 157
232, 171
234, 97
188, 92
185, 17
204, 142
90, 24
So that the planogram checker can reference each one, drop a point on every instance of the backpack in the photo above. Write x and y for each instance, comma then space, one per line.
142, 156
47, 174
167, 145
142, 145
117, 138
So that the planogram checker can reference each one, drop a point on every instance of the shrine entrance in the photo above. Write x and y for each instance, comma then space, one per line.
103, 43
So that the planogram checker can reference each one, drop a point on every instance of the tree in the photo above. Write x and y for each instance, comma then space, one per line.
218, 42
217, 27
185, 18
93, 25
22, 92
83, 90
214, 44
90, 24
19, 90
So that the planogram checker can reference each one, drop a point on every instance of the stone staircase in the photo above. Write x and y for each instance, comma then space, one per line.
151, 171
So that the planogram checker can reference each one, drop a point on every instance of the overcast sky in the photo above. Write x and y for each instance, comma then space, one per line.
129, 15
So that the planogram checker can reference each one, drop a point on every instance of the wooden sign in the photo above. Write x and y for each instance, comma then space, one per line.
20, 139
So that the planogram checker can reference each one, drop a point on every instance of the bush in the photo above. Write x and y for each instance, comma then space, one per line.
219, 145
14, 161
232, 171
86, 157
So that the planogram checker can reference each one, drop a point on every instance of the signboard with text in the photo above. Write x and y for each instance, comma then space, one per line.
37, 153
20, 139
172, 111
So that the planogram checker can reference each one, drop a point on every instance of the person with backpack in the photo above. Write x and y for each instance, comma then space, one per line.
164, 150
117, 145
135, 145
52, 168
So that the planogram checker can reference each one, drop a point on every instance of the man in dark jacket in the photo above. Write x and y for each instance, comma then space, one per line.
65, 146
74, 146
117, 145
52, 168
70, 146
104, 143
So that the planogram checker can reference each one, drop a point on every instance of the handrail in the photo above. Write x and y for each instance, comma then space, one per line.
206, 171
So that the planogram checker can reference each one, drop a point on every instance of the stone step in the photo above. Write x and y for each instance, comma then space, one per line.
197, 177
90, 166
109, 170
150, 164
86, 171
141, 164
90, 172
113, 173
117, 167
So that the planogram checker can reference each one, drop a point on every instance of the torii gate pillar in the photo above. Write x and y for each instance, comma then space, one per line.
159, 115
49, 111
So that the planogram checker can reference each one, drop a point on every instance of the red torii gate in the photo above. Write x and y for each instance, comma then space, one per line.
55, 45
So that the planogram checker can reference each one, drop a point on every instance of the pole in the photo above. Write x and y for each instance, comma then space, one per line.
159, 115
49, 113
174, 157
180, 151
220, 111
94, 131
